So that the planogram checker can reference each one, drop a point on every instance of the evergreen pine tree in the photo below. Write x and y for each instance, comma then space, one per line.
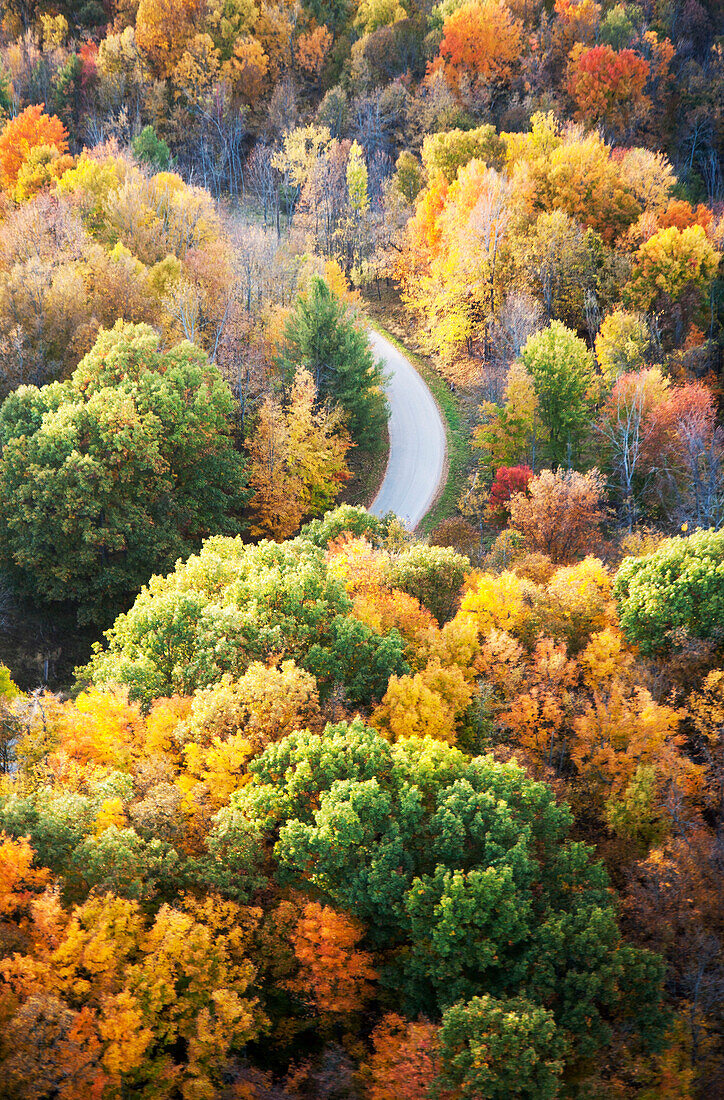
323, 336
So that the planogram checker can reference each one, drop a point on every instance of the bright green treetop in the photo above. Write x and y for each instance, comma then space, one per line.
675, 593
432, 574
508, 1049
233, 604
562, 370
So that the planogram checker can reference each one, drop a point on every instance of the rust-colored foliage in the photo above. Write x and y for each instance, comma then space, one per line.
608, 86
122, 1001
335, 976
312, 51
404, 1061
561, 513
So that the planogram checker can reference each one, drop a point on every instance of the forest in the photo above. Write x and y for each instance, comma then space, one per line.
297, 803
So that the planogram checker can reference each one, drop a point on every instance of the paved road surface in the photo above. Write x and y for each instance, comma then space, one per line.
417, 440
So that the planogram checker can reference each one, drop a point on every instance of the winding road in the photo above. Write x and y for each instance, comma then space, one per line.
416, 465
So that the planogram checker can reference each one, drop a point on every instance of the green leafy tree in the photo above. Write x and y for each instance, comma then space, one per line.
408, 176
331, 13
462, 871
152, 150
500, 1049
121, 862
354, 655
63, 828
674, 594
57, 821
323, 336
563, 373
116, 473
68, 92
432, 574
6, 101
233, 604
344, 520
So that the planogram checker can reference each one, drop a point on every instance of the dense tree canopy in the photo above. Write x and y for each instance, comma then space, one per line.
117, 472
361, 813
424, 845
232, 604
322, 865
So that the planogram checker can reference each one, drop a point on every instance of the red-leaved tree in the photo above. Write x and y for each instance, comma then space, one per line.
608, 86
508, 481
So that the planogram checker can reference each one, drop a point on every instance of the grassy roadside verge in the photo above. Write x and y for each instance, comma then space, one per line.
368, 470
458, 442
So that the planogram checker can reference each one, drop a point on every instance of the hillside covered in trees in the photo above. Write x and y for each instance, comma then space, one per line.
295, 803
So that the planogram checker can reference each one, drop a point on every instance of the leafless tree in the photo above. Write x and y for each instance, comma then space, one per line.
259, 276
592, 312
626, 430
324, 199
519, 318
242, 362
263, 181
283, 108
219, 148
701, 453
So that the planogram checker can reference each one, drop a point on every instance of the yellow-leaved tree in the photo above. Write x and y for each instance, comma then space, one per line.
298, 462
115, 1003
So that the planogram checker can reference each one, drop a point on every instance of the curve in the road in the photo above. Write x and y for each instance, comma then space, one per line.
416, 464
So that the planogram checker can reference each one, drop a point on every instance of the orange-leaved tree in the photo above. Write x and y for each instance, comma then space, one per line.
29, 130
480, 41
561, 513
405, 1059
312, 50
124, 1004
335, 976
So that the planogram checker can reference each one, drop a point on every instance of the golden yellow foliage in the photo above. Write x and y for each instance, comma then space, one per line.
19, 881
426, 704
606, 658
619, 731
110, 814
578, 602
161, 723
156, 1005
498, 602
265, 704
100, 727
